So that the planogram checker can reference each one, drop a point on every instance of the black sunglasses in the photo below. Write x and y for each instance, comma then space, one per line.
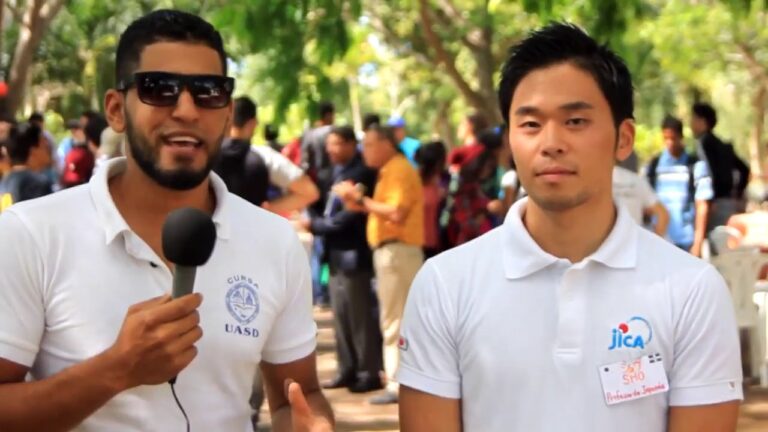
164, 88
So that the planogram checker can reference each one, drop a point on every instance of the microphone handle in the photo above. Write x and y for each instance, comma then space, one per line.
183, 284
183, 280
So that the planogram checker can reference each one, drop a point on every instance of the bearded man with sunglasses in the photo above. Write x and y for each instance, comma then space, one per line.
84, 304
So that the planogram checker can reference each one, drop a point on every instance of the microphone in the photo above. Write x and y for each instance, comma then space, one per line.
188, 239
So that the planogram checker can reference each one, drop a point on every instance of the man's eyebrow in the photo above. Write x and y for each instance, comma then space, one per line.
576, 106
570, 106
527, 110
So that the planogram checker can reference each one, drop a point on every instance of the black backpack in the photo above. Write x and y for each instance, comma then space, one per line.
245, 173
692, 159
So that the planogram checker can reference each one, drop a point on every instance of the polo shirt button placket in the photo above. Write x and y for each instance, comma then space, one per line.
570, 326
136, 248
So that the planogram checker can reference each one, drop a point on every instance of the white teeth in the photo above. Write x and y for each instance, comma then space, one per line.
184, 140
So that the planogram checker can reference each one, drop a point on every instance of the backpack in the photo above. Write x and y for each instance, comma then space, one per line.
245, 173
690, 162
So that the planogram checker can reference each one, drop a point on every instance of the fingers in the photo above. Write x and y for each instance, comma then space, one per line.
172, 330
185, 358
299, 407
174, 309
151, 303
185, 340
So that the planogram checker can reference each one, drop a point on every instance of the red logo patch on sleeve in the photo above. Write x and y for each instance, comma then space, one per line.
402, 344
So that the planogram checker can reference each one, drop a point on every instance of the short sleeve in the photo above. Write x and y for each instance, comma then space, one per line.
509, 180
702, 181
400, 186
22, 312
647, 195
294, 333
707, 362
282, 172
428, 350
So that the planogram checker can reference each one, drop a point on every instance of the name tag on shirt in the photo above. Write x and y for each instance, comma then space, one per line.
629, 380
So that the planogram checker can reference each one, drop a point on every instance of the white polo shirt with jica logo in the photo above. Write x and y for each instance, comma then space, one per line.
522, 337
70, 267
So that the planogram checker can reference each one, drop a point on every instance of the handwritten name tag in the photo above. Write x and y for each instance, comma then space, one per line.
629, 380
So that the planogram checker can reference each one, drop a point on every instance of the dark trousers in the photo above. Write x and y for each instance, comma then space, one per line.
358, 337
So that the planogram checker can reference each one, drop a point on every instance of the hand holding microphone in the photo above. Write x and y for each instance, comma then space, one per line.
157, 337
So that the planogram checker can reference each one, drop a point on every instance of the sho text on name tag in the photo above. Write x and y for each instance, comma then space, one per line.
629, 380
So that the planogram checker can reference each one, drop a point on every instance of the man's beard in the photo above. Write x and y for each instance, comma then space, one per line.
147, 159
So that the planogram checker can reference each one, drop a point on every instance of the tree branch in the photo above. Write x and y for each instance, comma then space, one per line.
452, 12
395, 40
445, 58
756, 69
18, 14
49, 10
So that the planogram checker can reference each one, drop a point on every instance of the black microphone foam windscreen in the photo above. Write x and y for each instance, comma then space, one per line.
188, 237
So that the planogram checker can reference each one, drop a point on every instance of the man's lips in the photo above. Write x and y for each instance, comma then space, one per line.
555, 172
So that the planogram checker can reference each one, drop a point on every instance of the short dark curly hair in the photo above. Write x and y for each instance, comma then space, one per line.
164, 25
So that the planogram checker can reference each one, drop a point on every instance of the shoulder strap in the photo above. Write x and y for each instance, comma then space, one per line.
691, 163
652, 166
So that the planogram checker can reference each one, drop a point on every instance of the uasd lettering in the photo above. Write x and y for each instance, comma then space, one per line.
244, 331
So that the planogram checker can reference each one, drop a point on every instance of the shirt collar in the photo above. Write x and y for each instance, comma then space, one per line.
522, 256
391, 162
114, 224
667, 157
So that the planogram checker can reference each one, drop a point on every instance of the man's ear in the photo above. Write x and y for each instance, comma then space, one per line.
626, 140
114, 107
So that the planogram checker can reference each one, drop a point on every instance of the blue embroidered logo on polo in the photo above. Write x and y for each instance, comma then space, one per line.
635, 333
242, 300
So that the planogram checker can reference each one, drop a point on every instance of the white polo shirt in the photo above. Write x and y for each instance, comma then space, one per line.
633, 191
518, 334
70, 267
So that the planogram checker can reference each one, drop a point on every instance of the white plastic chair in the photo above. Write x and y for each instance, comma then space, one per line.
718, 238
740, 269
761, 298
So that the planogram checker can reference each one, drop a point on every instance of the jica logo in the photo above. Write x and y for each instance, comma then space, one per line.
635, 333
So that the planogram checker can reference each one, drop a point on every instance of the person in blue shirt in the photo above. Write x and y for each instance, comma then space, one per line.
408, 145
684, 186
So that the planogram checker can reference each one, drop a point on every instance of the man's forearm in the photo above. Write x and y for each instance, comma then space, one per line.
662, 219
700, 221
61, 402
289, 203
281, 419
381, 209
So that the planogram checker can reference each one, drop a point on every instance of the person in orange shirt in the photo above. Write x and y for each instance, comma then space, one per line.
395, 232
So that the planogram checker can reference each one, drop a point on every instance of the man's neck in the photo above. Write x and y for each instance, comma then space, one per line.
676, 152
703, 134
389, 158
345, 163
237, 133
133, 191
572, 234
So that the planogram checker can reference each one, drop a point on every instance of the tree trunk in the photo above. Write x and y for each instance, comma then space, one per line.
2, 32
478, 100
37, 17
756, 146
442, 126
482, 52
354, 102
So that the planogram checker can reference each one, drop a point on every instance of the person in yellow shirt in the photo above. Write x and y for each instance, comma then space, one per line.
395, 232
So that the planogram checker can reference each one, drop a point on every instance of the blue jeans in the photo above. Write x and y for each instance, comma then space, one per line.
319, 290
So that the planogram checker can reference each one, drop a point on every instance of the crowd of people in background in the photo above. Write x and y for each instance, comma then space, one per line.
378, 202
